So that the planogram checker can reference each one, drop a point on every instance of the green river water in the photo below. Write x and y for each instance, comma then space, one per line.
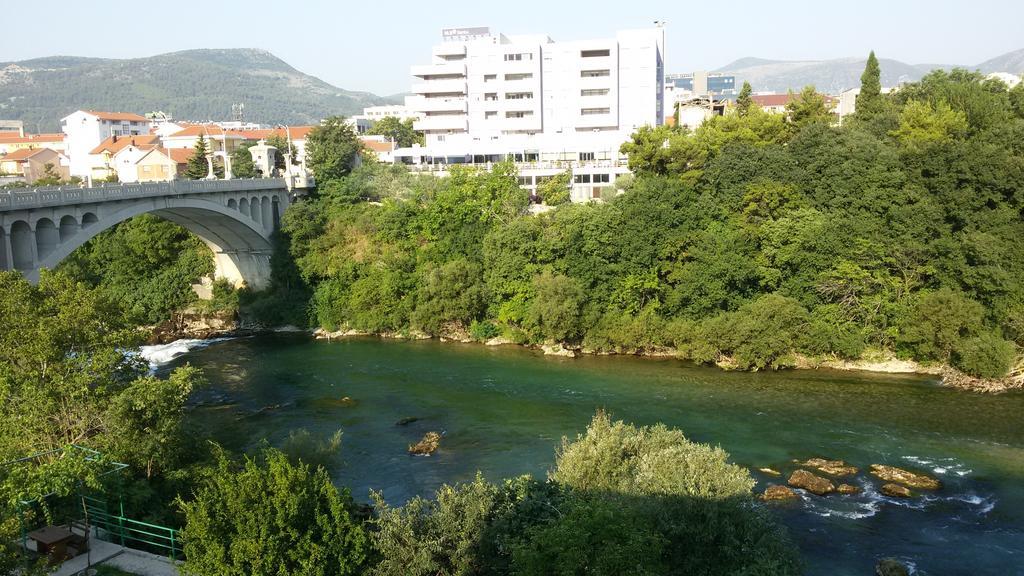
503, 410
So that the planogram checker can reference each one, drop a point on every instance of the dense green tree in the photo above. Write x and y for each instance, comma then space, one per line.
555, 310
869, 100
241, 162
923, 125
451, 295
398, 131
808, 107
268, 517
938, 323
555, 191
198, 166
332, 149
744, 102
985, 356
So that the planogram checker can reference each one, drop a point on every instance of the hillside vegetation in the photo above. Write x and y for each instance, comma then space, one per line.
190, 85
754, 240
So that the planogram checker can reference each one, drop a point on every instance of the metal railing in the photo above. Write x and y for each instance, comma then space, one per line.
22, 199
118, 529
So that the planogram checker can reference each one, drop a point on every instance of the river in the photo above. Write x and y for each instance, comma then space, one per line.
503, 410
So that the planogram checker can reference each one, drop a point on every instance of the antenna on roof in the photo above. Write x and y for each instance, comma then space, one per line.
238, 111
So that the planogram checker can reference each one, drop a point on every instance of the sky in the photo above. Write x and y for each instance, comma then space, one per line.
370, 45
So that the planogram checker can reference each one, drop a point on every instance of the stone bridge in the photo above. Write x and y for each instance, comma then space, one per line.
235, 218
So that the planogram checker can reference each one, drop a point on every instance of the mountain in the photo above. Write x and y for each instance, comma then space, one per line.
190, 85
1012, 62
831, 76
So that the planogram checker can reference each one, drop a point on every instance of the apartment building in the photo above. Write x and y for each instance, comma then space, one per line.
86, 129
550, 106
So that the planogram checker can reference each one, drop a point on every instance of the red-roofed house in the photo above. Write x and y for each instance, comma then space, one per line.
11, 142
31, 163
84, 130
155, 164
117, 155
776, 103
380, 146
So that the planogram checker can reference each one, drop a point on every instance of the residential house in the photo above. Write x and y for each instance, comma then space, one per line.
32, 163
161, 164
117, 156
11, 141
776, 103
84, 130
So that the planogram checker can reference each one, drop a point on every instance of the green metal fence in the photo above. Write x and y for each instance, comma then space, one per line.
115, 527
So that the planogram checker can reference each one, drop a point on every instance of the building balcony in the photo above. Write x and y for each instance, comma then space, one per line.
453, 122
440, 87
421, 104
449, 49
440, 69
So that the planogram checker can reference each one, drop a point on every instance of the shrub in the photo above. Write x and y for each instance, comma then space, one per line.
269, 517
621, 332
452, 292
482, 331
761, 334
555, 310
985, 356
937, 323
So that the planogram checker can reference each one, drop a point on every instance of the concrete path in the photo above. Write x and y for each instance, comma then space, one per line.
127, 559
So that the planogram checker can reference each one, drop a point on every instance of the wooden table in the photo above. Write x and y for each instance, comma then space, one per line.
52, 541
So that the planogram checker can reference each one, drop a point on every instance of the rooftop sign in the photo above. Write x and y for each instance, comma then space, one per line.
452, 33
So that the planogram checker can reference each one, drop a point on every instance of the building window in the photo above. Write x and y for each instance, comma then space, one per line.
584, 156
490, 77
526, 76
518, 57
594, 53
602, 178
518, 95
594, 92
147, 169
593, 111
594, 73
582, 179
491, 97
490, 114
521, 114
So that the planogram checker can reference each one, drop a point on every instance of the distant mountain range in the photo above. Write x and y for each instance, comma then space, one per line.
190, 85
834, 76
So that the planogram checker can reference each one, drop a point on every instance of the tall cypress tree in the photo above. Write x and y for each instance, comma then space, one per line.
869, 101
744, 101
197, 167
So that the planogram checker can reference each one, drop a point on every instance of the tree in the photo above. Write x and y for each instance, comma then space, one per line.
398, 131
922, 125
985, 356
808, 107
744, 102
332, 149
268, 517
452, 293
198, 167
241, 162
938, 323
869, 100
50, 176
555, 311
555, 191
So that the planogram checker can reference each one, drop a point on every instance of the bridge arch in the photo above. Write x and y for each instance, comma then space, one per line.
23, 246
240, 249
5, 259
68, 228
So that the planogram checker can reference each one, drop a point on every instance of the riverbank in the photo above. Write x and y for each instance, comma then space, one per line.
882, 362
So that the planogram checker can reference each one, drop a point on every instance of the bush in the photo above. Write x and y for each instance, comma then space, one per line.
482, 331
555, 310
937, 323
985, 356
625, 333
761, 334
450, 293
269, 517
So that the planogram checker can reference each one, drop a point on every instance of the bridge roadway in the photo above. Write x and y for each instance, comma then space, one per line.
39, 227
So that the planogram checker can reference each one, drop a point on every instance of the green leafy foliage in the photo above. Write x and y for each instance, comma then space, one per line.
985, 356
332, 149
398, 131
267, 516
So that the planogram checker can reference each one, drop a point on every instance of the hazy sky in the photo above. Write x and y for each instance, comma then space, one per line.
369, 45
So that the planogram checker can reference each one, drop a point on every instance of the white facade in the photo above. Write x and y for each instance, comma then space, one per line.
375, 113
84, 130
548, 105
124, 162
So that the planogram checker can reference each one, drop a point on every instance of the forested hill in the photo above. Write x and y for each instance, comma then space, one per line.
834, 76
191, 85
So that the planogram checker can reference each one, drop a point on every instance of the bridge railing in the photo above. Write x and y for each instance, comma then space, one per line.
25, 199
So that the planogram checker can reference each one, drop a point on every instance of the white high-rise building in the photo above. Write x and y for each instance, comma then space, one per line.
548, 105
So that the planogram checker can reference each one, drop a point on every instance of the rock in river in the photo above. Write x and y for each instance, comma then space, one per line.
847, 489
426, 446
891, 567
776, 492
810, 482
893, 474
896, 491
830, 467
769, 471
406, 421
